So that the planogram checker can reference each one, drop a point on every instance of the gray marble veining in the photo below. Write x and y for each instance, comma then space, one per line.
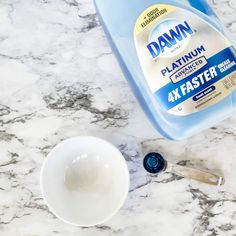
59, 79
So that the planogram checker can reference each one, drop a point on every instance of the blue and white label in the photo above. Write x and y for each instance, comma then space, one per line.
188, 64
172, 94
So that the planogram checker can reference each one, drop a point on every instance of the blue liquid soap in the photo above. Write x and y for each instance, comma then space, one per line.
178, 59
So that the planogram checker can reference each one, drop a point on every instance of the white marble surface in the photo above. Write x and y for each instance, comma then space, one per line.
59, 79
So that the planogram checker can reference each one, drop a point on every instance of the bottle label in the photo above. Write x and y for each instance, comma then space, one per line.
188, 64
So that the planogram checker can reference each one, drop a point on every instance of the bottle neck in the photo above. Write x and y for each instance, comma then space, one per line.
203, 6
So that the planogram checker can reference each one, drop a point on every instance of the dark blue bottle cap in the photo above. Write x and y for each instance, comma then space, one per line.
154, 163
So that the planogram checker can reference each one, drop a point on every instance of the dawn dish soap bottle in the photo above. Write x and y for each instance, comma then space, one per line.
178, 59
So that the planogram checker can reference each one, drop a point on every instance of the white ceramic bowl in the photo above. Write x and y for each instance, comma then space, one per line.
84, 181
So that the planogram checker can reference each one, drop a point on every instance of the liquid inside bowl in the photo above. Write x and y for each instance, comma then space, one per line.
88, 173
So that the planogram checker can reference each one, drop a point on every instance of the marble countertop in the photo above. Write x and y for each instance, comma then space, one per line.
59, 79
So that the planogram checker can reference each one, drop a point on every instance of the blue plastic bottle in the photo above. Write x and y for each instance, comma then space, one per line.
178, 59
